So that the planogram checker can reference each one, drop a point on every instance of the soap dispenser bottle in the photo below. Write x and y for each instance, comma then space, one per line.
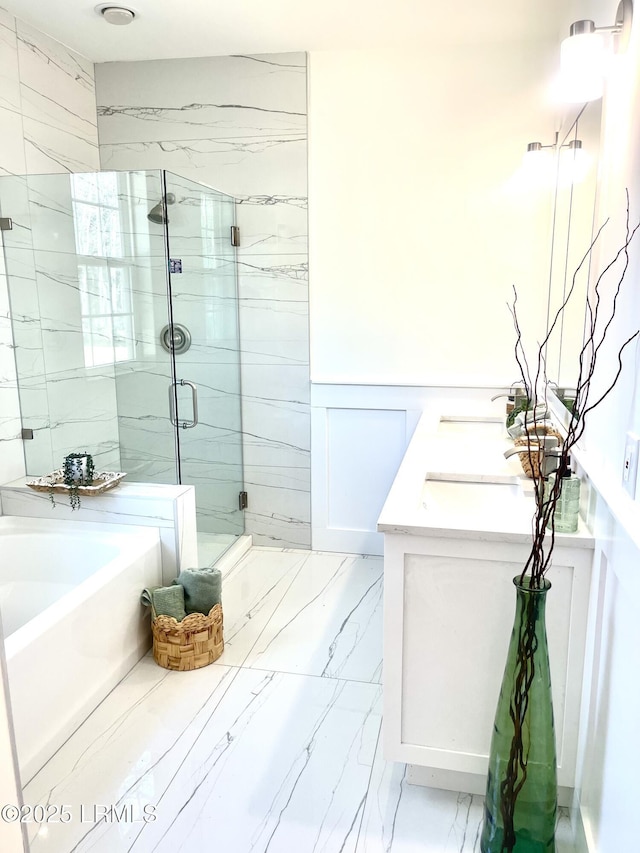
567, 509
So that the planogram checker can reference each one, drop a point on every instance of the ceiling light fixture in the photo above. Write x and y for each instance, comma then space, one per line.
118, 15
583, 54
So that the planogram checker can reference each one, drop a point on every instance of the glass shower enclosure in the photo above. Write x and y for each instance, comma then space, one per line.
124, 307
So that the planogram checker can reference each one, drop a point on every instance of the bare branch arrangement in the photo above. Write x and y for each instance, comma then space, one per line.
597, 331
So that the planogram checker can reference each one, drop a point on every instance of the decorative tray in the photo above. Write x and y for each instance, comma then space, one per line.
54, 482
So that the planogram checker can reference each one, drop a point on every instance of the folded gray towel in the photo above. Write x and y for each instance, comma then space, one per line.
202, 589
165, 601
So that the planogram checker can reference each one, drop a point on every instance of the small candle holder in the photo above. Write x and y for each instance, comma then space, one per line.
78, 470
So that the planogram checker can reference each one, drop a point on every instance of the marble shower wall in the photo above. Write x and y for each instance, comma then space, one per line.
69, 404
239, 124
48, 120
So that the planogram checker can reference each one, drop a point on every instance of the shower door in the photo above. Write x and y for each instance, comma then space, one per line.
204, 398
87, 285
98, 281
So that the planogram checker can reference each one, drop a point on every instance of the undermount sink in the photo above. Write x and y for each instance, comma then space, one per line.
472, 427
461, 498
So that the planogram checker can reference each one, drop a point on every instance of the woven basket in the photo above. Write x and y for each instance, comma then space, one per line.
530, 459
196, 641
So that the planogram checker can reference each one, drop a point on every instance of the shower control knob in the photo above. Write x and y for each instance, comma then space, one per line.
175, 339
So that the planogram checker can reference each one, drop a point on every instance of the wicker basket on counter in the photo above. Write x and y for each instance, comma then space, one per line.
194, 642
531, 457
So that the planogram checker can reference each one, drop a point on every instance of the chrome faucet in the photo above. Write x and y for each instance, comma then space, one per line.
548, 444
516, 394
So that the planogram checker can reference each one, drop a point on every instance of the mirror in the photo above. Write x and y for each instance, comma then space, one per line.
571, 235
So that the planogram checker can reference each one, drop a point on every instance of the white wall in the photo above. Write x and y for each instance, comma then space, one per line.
611, 740
419, 226
607, 783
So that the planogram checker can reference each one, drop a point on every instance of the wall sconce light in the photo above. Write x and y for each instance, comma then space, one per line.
570, 168
583, 55
538, 170
574, 163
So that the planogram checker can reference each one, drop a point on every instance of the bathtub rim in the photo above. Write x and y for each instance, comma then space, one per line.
138, 538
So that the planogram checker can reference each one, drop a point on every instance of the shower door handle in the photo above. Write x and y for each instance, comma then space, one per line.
172, 404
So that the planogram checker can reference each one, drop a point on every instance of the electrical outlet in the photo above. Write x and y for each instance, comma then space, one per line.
630, 466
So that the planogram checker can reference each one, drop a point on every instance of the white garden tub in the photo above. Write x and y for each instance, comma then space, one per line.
73, 623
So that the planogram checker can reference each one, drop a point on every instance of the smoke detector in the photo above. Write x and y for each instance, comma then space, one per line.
118, 15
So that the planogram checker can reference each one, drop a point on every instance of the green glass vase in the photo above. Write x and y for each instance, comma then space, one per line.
521, 798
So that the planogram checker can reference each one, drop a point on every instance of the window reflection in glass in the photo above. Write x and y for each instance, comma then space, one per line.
104, 272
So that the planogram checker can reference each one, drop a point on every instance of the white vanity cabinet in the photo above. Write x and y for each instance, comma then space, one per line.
449, 605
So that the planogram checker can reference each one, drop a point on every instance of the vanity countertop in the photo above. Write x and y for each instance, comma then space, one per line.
455, 482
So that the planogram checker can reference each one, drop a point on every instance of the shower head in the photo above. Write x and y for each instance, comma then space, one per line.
158, 214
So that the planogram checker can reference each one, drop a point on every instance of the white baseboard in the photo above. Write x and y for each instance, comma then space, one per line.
583, 833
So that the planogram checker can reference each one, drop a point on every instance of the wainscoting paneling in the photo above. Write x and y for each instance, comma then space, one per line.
359, 434
365, 447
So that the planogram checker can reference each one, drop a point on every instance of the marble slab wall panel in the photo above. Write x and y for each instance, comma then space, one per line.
24, 333
74, 401
58, 105
12, 155
11, 460
239, 124
80, 401
12, 161
147, 440
82, 408
48, 120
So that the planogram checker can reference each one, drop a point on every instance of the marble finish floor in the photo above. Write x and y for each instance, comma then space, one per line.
275, 747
